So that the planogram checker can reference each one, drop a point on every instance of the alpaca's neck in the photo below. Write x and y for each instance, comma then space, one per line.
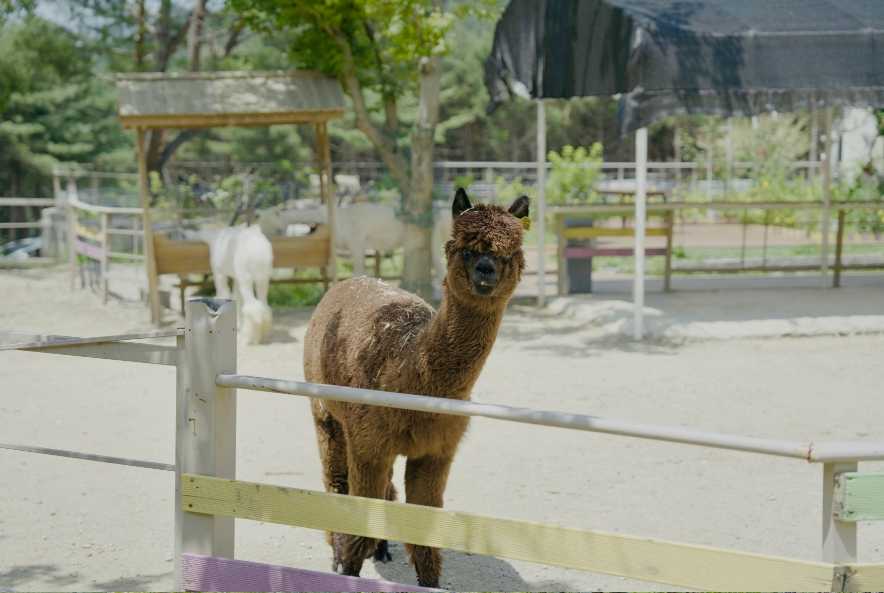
455, 345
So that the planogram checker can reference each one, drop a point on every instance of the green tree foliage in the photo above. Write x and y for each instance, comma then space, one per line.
573, 173
53, 110
387, 55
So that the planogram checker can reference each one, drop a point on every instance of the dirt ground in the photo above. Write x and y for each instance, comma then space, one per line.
76, 525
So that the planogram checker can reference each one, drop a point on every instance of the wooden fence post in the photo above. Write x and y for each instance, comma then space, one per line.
71, 195
562, 263
105, 255
839, 537
205, 423
839, 247
669, 219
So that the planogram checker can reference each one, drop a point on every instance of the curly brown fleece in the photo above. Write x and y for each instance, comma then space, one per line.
367, 334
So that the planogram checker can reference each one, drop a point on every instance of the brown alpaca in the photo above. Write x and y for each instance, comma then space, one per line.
367, 334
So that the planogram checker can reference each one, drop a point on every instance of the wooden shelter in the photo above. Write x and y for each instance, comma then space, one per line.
150, 101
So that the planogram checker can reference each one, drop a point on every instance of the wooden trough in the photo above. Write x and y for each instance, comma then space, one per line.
157, 101
183, 258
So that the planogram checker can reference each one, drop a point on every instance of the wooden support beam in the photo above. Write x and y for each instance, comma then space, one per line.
323, 154
153, 291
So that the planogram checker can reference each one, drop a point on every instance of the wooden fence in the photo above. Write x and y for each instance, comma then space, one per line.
208, 496
91, 230
667, 211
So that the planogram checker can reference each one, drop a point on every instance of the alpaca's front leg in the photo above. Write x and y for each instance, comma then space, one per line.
369, 476
425, 480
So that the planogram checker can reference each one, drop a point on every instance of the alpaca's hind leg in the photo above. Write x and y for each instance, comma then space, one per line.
425, 480
333, 457
369, 476
382, 552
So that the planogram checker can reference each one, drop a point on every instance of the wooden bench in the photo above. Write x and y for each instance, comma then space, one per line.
566, 252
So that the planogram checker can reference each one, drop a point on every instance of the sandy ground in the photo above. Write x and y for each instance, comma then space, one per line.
75, 525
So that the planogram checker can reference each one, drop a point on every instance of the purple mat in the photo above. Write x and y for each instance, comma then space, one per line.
208, 573
89, 250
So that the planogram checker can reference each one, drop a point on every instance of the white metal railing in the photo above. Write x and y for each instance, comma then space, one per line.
808, 451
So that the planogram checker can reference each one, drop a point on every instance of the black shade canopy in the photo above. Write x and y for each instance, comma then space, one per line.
726, 57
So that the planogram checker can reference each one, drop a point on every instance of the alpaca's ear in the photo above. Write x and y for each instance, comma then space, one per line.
519, 208
461, 202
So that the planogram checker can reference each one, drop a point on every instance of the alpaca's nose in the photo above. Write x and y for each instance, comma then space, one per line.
485, 267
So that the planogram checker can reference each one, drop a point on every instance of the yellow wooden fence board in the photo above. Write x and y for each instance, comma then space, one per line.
89, 233
640, 558
865, 577
592, 232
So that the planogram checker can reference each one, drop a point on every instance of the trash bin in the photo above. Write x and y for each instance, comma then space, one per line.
579, 270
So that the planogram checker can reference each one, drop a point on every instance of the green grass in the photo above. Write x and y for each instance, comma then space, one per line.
697, 256
288, 296
293, 296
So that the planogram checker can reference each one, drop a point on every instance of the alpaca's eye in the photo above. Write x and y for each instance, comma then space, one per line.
467, 254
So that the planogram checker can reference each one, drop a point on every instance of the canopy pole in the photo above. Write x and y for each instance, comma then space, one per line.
826, 178
641, 188
541, 204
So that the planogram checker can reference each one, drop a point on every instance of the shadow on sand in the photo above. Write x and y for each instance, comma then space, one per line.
465, 572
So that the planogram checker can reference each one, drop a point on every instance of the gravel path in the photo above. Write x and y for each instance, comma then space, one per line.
73, 525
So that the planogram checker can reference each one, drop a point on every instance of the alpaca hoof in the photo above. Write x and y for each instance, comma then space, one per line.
351, 569
382, 552
428, 583
337, 551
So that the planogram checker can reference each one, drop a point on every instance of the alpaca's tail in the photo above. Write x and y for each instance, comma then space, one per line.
257, 321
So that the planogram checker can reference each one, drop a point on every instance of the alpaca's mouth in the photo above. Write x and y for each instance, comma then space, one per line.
484, 287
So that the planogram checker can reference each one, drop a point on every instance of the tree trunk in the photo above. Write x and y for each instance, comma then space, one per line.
140, 35
195, 35
419, 204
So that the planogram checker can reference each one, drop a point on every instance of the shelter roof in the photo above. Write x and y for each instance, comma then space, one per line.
699, 56
200, 100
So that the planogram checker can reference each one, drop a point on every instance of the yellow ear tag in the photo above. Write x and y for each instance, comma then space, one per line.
526, 223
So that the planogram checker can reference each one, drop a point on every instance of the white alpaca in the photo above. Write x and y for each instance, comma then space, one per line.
244, 254
364, 225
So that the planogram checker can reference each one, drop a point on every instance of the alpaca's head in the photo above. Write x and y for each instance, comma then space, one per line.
485, 259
